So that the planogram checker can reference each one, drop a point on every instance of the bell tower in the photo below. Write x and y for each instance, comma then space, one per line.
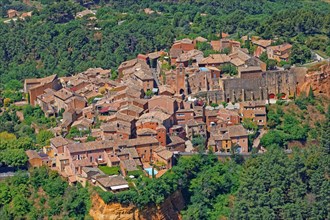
180, 80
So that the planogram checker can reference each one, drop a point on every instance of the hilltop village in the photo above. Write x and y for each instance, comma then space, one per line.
162, 104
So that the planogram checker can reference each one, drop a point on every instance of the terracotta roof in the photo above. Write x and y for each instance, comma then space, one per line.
193, 122
190, 55
92, 171
174, 52
89, 146
110, 181
241, 54
141, 141
59, 141
117, 126
163, 153
263, 43
121, 117
132, 151
82, 163
165, 88
128, 63
32, 154
44, 80
84, 122
156, 54
282, 47
133, 108
237, 62
64, 94
228, 112
215, 59
154, 115
47, 97
143, 75
237, 131
176, 140
129, 165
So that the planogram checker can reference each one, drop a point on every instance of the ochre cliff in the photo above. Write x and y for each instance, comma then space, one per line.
169, 210
318, 80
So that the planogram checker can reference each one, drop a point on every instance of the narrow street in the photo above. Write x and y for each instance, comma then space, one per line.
256, 142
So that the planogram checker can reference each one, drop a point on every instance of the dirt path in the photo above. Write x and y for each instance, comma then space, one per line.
256, 142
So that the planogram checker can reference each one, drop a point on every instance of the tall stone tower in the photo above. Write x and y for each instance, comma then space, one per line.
180, 80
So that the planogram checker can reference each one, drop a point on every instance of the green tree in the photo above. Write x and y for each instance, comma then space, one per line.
5, 196
13, 157
20, 206
300, 54
325, 137
43, 137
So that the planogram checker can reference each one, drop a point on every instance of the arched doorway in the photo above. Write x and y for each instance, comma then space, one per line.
271, 96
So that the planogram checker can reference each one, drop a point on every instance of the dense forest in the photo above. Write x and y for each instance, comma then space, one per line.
53, 41
42, 194
273, 185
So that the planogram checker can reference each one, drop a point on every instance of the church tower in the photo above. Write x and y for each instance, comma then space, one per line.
180, 80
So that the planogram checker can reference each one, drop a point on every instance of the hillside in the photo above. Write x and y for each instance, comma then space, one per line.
53, 41
220, 109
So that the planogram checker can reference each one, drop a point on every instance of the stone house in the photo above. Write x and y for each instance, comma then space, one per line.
194, 128
166, 104
279, 52
230, 117
162, 155
249, 72
254, 110
34, 159
261, 46
214, 60
35, 87
224, 138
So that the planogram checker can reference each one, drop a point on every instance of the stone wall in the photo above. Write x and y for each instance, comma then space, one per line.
270, 83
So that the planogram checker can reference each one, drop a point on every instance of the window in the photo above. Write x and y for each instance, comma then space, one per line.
79, 158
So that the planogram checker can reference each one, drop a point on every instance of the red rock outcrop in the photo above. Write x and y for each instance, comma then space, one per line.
169, 210
318, 80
